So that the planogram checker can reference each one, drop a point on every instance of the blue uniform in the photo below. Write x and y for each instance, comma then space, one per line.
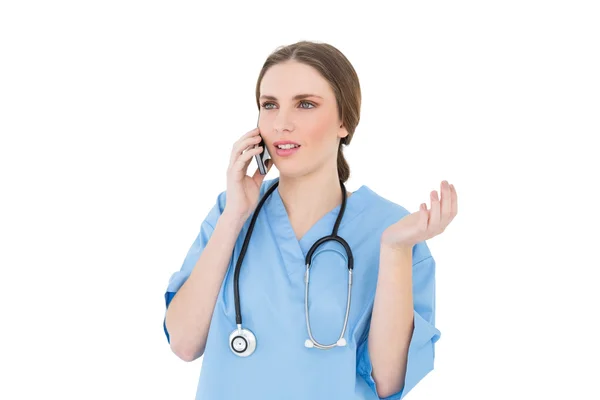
272, 305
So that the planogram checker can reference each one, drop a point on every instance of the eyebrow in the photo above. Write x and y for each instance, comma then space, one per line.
296, 97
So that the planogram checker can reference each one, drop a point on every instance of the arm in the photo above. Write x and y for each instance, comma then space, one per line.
400, 349
190, 311
392, 320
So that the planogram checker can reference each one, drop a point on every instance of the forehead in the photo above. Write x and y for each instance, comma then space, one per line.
287, 79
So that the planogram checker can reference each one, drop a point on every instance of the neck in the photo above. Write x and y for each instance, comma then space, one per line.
307, 198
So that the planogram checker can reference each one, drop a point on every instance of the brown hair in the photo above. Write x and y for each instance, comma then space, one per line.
342, 78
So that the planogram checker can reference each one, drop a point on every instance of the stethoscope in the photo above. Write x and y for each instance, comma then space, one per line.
242, 341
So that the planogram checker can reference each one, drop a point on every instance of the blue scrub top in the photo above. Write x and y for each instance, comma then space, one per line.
272, 305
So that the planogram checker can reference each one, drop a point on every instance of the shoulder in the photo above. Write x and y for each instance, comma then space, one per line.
216, 210
380, 208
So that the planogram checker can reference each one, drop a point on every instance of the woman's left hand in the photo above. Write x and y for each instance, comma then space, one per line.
423, 224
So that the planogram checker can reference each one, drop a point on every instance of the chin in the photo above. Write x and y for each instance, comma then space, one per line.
294, 170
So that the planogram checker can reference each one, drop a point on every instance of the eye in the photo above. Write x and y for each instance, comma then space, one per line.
309, 103
265, 104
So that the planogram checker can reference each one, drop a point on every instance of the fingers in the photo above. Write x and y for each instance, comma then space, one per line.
434, 213
245, 142
250, 134
241, 162
424, 217
244, 145
454, 202
446, 204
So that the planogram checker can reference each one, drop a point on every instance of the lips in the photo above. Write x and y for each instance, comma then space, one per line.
286, 152
282, 142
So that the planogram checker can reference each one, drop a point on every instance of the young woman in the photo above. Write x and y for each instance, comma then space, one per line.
264, 300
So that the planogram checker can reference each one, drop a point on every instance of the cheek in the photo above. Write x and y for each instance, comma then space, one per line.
318, 132
266, 132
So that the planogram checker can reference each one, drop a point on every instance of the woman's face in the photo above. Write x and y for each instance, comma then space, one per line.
310, 121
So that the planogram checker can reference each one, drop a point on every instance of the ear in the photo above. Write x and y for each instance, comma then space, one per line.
342, 132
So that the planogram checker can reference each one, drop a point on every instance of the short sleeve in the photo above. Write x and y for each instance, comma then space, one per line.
178, 278
421, 351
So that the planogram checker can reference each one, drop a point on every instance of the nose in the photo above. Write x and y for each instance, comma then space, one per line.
282, 121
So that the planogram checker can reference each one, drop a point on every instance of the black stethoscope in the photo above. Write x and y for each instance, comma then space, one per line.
242, 341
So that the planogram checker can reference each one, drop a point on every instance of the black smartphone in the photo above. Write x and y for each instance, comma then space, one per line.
264, 155
262, 158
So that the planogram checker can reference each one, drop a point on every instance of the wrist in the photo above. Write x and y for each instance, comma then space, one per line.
397, 248
232, 219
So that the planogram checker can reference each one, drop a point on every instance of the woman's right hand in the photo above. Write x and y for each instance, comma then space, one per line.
242, 190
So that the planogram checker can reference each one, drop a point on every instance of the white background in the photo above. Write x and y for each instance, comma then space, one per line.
106, 109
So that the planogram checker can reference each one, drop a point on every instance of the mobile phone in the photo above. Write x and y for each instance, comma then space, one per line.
262, 158
264, 155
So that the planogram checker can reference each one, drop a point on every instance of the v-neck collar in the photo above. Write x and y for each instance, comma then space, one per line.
293, 250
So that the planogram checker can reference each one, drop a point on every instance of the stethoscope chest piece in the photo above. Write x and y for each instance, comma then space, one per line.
242, 342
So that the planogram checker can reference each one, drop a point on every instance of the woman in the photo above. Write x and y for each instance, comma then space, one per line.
309, 100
